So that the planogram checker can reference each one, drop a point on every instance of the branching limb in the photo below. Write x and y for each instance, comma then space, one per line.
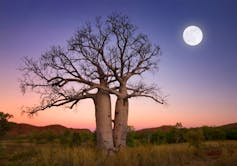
143, 90
52, 100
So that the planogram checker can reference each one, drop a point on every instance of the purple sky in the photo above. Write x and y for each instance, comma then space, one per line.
201, 81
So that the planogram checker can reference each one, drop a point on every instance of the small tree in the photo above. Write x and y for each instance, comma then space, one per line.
4, 124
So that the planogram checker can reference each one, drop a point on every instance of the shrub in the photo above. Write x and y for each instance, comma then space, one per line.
65, 138
4, 124
170, 136
42, 137
231, 134
76, 139
69, 138
212, 133
159, 137
195, 137
131, 139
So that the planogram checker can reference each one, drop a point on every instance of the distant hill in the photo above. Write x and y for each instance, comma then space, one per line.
154, 129
169, 127
229, 126
20, 129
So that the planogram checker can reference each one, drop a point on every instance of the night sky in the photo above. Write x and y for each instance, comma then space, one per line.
200, 81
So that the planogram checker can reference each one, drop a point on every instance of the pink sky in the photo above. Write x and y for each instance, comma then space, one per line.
143, 113
200, 81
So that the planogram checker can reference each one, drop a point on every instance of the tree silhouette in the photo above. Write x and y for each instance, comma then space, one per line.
99, 60
133, 54
4, 124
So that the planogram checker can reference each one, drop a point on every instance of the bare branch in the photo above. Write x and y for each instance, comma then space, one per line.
143, 90
104, 56
54, 100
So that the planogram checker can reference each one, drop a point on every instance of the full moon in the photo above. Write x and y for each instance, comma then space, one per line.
192, 35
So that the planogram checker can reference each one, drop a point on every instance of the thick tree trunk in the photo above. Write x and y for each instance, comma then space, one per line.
120, 122
104, 134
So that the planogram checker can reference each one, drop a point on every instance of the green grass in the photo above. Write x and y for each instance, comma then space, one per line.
54, 154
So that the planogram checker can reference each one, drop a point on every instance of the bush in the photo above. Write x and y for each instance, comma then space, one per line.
65, 138
4, 124
211, 133
159, 137
42, 137
76, 139
170, 136
69, 138
195, 137
131, 139
231, 134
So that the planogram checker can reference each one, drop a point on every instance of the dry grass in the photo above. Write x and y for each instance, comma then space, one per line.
211, 153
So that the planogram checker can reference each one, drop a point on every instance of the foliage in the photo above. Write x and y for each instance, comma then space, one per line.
173, 135
195, 137
43, 137
71, 139
159, 137
64, 139
231, 134
131, 137
134, 138
213, 133
4, 124
158, 147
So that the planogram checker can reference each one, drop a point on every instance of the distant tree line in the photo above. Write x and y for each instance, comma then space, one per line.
135, 138
67, 138
194, 136
176, 134
181, 135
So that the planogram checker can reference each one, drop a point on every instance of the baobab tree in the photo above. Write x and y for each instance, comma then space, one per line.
134, 55
63, 78
99, 60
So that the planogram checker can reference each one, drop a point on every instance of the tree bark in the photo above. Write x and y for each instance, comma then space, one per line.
104, 134
120, 121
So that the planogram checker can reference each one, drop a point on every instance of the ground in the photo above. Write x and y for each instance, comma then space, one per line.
13, 152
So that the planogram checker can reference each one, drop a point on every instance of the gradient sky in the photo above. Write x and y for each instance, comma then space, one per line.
201, 81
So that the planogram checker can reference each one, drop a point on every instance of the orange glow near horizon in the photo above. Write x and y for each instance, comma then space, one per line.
143, 113
201, 81
190, 110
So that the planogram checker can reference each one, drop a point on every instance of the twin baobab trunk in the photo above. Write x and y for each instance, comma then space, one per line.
106, 137
104, 133
120, 120
120, 123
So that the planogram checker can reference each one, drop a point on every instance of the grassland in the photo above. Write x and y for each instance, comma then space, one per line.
26, 145
213, 153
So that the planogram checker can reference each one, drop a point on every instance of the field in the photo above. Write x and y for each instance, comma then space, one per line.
17, 153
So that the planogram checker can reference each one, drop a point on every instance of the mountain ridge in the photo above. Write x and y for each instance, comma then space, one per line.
26, 129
